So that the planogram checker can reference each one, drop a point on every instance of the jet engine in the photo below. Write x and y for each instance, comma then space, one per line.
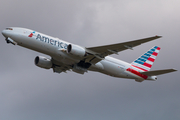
43, 62
76, 50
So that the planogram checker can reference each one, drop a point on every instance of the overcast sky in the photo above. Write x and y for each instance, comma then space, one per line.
31, 93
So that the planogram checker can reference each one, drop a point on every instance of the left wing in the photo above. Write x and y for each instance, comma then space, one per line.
98, 53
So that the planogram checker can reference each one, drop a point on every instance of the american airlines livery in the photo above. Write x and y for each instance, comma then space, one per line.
66, 56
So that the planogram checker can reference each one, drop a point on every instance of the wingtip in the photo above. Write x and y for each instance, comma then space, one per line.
174, 70
158, 36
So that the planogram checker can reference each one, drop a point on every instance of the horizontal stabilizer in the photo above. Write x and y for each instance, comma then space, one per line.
158, 72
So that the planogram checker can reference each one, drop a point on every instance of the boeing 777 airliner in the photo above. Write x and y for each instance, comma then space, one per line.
66, 56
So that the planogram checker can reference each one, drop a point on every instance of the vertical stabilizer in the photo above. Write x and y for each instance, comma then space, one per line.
145, 62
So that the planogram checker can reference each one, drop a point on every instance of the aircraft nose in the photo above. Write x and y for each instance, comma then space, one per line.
7, 32
4, 33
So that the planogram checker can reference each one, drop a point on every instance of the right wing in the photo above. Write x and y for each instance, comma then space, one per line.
98, 53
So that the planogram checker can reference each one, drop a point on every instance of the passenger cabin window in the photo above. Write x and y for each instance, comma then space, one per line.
9, 29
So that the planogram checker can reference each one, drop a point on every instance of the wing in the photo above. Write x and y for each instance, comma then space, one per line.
158, 72
98, 53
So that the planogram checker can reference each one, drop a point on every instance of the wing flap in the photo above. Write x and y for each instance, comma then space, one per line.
59, 67
93, 59
158, 72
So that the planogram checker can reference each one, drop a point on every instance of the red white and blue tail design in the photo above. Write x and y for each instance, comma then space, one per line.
145, 62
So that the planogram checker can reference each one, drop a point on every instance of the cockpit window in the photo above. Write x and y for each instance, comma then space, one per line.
9, 29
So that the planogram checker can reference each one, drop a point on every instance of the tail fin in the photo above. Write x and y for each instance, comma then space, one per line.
145, 62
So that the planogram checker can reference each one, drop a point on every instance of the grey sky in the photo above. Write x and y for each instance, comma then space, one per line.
28, 92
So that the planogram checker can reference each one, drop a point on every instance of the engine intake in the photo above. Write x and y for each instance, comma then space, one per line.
43, 62
76, 50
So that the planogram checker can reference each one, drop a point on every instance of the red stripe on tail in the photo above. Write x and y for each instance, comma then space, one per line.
151, 59
155, 53
139, 68
147, 65
137, 73
158, 48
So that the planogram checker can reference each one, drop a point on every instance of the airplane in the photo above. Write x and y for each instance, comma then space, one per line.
66, 56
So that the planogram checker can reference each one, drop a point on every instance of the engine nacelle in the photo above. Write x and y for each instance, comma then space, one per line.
76, 50
43, 62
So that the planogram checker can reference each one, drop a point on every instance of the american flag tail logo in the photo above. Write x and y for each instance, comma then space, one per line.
145, 62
